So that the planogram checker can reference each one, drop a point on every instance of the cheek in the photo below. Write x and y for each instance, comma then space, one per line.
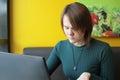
65, 31
79, 35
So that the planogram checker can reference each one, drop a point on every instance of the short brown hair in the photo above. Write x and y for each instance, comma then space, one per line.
79, 17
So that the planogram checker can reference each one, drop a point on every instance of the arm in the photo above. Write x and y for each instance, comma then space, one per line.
53, 61
106, 66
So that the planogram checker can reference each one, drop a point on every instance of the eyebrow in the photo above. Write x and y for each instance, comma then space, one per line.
66, 26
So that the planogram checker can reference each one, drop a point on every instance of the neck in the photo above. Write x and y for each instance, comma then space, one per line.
80, 43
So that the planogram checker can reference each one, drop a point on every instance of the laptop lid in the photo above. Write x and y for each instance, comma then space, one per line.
22, 67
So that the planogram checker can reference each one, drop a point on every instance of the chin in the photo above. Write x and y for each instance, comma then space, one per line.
72, 41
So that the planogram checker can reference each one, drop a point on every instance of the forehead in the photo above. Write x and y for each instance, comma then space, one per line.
66, 21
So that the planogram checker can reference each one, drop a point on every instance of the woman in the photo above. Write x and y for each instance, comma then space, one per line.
82, 57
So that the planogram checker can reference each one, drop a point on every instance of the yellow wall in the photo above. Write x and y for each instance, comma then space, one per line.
36, 23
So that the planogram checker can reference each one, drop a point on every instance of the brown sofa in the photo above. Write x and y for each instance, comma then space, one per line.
58, 74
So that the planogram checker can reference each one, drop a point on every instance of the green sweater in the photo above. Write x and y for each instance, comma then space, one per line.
96, 59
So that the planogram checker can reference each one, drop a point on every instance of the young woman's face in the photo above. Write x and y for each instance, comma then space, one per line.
73, 35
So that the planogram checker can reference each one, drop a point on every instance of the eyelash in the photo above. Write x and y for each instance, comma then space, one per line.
66, 27
72, 28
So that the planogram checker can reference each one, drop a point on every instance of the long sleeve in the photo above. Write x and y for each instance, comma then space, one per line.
53, 61
106, 67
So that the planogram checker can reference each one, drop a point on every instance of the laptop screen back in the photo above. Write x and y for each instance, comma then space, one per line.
22, 67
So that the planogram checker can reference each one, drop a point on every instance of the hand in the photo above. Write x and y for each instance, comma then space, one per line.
84, 76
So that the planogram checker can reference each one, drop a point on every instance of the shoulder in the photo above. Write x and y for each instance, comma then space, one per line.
62, 43
61, 46
100, 48
99, 43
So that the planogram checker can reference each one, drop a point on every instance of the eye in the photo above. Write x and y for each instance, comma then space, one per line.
65, 27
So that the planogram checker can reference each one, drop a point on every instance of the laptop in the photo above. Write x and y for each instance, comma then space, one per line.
22, 67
